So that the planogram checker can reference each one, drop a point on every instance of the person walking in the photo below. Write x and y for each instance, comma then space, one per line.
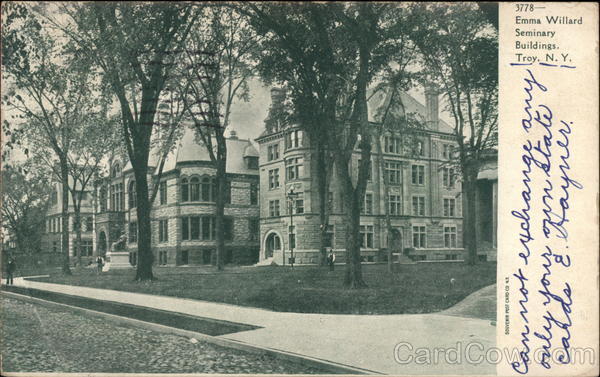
10, 270
100, 263
331, 260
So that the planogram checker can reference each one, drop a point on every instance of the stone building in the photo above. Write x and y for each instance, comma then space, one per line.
183, 221
52, 238
424, 195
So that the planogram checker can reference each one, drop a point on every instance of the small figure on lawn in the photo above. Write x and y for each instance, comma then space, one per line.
331, 260
10, 270
100, 263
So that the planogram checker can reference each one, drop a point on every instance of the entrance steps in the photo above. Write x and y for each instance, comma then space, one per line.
265, 262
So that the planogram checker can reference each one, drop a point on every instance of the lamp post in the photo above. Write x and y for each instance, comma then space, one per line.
291, 198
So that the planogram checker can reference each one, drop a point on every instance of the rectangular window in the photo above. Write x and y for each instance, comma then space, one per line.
367, 235
253, 193
195, 227
448, 177
418, 175
449, 236
273, 152
392, 145
87, 248
293, 139
367, 207
163, 192
162, 258
163, 230
208, 228
448, 151
273, 178
294, 168
253, 229
185, 228
89, 223
273, 208
133, 232
299, 207
394, 202
449, 207
418, 204
393, 171
419, 236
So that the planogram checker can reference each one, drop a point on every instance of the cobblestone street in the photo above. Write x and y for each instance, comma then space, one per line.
39, 339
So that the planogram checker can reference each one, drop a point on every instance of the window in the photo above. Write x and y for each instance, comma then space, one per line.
132, 195
419, 236
449, 236
329, 234
117, 197
367, 207
448, 151
420, 148
163, 230
163, 192
299, 207
54, 197
133, 232
102, 199
448, 177
369, 171
185, 228
273, 178
394, 203
87, 248
418, 204
208, 228
418, 174
293, 139
116, 170
252, 162
162, 258
209, 189
367, 234
392, 145
253, 229
228, 228
273, 152
195, 228
294, 169
393, 171
185, 190
449, 207
195, 189
253, 193
273, 208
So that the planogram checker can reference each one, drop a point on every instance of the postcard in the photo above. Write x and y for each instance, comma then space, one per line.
299, 188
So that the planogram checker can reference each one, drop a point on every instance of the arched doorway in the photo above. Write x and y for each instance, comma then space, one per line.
102, 243
396, 240
272, 243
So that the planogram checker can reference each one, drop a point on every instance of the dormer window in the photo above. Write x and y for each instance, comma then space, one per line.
116, 171
251, 162
293, 139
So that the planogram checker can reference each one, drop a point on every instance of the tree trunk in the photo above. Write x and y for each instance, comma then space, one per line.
77, 226
64, 172
470, 215
323, 189
353, 277
145, 257
220, 202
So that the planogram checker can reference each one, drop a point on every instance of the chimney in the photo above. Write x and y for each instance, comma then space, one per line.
432, 106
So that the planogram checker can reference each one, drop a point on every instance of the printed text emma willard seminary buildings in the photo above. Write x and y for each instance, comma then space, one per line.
263, 224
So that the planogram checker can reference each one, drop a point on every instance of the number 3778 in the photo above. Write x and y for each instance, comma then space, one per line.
524, 7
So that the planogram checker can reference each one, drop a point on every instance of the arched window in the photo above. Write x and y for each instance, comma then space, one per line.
132, 195
116, 170
185, 190
195, 189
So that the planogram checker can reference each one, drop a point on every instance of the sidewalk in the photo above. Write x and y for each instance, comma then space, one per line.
361, 341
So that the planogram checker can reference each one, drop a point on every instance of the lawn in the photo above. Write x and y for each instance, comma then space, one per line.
418, 288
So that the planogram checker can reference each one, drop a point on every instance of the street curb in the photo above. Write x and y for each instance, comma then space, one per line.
220, 341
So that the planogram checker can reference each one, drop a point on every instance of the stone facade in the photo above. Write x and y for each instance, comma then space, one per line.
427, 219
111, 207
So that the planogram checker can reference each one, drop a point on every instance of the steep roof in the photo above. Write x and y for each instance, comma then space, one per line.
191, 149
